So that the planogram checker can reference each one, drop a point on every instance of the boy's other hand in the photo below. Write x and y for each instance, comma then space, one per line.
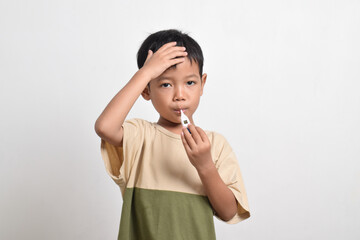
167, 55
197, 147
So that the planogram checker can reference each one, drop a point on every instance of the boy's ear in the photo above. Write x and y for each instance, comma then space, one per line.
146, 93
203, 81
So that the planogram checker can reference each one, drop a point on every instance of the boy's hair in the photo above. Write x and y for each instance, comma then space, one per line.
154, 41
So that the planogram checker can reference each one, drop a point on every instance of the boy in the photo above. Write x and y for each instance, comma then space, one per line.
173, 180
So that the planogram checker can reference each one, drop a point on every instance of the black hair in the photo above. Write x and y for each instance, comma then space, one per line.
154, 41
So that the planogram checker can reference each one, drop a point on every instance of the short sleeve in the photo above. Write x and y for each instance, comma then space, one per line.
119, 160
229, 171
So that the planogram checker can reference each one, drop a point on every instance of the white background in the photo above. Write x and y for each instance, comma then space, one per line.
283, 88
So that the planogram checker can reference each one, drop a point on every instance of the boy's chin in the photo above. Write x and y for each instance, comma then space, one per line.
172, 121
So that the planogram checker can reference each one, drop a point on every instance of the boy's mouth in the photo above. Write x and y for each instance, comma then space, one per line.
177, 111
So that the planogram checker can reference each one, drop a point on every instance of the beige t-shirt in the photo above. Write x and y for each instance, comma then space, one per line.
153, 158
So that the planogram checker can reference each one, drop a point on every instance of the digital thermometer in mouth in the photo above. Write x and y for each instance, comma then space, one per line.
184, 120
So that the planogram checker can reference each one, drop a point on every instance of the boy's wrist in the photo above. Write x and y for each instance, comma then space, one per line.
206, 170
144, 74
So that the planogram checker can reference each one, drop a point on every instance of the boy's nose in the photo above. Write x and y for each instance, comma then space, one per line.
179, 94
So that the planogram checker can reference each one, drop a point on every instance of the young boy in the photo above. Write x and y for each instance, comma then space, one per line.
173, 180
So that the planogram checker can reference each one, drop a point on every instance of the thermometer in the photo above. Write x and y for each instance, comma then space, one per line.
184, 120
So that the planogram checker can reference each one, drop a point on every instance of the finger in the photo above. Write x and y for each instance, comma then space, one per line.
189, 139
194, 134
186, 145
166, 46
150, 53
202, 134
176, 61
177, 54
175, 51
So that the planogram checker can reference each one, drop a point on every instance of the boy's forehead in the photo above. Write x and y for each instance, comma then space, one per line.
185, 69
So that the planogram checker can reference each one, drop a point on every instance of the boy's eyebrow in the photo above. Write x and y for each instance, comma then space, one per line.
165, 77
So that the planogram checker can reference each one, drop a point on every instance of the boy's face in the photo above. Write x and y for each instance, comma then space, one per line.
176, 88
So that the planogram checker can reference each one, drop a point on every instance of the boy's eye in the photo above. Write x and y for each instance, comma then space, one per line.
165, 85
190, 83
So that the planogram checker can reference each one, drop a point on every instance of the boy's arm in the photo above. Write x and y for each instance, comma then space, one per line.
197, 147
109, 124
220, 196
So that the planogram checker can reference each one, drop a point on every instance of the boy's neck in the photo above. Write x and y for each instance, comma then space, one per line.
171, 126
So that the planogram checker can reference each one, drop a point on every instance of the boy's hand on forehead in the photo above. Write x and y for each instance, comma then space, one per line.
156, 63
197, 147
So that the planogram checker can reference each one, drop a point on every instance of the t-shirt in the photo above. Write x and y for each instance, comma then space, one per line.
163, 196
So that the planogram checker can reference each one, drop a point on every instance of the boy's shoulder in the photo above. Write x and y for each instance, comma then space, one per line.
214, 136
219, 143
137, 121
138, 124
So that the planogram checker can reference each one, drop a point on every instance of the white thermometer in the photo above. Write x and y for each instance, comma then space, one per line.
184, 120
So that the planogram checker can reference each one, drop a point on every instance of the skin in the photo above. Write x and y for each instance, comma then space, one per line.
170, 89
175, 89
